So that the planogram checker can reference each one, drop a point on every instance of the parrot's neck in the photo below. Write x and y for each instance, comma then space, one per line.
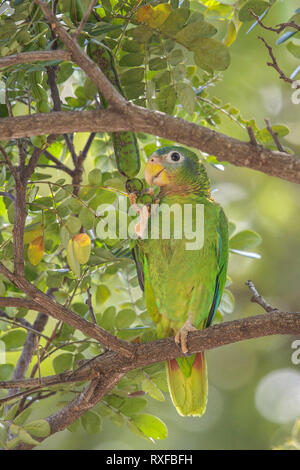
185, 191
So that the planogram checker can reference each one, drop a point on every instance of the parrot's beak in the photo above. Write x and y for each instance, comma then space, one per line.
155, 173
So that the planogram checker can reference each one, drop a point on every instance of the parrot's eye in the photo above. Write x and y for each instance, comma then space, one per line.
175, 157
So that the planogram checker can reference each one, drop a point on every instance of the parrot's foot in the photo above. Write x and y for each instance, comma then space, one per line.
181, 337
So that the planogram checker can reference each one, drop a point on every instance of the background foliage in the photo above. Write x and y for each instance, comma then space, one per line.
189, 59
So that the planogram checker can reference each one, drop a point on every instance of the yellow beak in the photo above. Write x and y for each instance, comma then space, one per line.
155, 173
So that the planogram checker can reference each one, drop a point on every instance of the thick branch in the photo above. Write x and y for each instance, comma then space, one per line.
112, 367
78, 56
86, 400
137, 119
18, 302
274, 323
46, 305
33, 56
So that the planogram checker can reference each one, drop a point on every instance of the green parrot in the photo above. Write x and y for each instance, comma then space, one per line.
183, 287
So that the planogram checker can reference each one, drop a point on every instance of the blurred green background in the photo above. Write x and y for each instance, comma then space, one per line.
254, 388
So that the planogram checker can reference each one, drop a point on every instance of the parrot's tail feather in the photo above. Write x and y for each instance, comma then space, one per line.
188, 390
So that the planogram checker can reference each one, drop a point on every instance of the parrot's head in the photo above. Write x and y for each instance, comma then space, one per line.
176, 169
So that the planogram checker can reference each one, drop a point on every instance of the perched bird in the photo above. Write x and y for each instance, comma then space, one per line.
183, 287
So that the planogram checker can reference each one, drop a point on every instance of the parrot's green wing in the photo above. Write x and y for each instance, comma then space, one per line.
222, 261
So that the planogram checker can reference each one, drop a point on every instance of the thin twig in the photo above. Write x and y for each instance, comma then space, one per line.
58, 163
13, 170
85, 18
20, 322
90, 305
257, 298
275, 65
253, 140
279, 28
274, 136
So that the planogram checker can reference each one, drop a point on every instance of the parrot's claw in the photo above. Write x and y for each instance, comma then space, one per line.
181, 337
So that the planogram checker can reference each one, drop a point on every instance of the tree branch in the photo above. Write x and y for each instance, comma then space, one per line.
279, 28
46, 305
78, 56
273, 323
137, 119
111, 367
85, 18
276, 67
274, 135
86, 400
33, 56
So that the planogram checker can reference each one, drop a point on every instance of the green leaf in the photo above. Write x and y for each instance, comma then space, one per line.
134, 91
166, 100
151, 426
14, 339
157, 63
176, 57
6, 371
131, 60
38, 428
257, 6
54, 280
134, 75
74, 205
3, 110
26, 438
102, 294
87, 218
64, 236
64, 72
175, 21
125, 318
107, 321
135, 430
294, 49
133, 406
193, 32
161, 79
74, 426
129, 45
186, 96
245, 240
12, 443
22, 417
72, 258
62, 362
264, 136
152, 389
91, 422
227, 302
73, 224
95, 177
80, 308
11, 412
211, 54
142, 33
